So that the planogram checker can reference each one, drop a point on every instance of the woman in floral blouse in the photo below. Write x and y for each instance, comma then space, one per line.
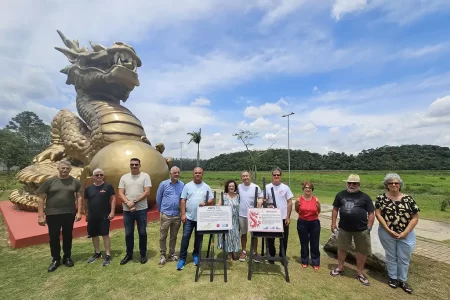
398, 214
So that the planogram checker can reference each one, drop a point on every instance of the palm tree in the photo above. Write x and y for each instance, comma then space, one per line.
196, 137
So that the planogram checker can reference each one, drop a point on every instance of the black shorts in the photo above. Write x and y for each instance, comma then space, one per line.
98, 227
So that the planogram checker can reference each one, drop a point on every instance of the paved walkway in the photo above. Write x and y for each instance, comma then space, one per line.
428, 233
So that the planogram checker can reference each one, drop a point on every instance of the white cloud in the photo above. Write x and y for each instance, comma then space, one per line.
440, 107
267, 109
429, 50
308, 127
342, 7
401, 12
260, 123
201, 102
333, 130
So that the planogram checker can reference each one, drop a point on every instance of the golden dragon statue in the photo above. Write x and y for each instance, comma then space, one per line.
102, 77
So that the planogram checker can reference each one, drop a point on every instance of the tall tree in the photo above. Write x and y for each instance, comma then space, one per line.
33, 130
247, 137
13, 150
196, 137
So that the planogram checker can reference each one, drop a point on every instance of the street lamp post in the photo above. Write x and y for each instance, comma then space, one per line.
289, 154
181, 159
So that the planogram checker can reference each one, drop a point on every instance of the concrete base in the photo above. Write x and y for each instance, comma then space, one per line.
24, 230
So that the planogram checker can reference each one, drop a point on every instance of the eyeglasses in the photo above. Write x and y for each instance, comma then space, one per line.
134, 165
276, 175
98, 175
352, 183
393, 183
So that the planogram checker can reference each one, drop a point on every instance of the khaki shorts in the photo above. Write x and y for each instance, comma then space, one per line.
243, 225
361, 238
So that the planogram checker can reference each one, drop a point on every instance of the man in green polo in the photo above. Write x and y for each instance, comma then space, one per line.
61, 196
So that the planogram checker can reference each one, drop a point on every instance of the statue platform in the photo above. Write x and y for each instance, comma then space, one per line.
24, 230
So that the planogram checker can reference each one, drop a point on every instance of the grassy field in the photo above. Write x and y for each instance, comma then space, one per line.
23, 275
429, 188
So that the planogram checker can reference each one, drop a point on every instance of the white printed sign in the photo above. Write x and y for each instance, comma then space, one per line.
265, 220
214, 218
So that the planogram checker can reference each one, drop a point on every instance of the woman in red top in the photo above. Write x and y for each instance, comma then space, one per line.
308, 225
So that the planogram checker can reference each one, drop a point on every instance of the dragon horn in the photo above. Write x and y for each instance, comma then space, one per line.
73, 45
97, 47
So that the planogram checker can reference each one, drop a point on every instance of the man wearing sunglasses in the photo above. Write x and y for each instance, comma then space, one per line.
283, 199
100, 201
356, 212
134, 188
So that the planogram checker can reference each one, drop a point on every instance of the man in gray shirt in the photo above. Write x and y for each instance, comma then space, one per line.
134, 188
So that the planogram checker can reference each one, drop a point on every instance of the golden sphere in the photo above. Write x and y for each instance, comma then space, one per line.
114, 160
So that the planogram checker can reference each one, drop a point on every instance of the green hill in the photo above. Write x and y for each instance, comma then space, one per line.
406, 157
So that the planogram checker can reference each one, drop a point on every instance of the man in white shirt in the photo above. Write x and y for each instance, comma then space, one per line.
283, 199
134, 188
247, 200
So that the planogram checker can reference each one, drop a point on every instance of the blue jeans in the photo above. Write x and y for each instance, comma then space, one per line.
140, 217
188, 227
398, 253
309, 235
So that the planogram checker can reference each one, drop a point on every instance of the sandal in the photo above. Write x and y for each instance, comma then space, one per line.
336, 272
304, 266
393, 283
405, 287
363, 279
316, 268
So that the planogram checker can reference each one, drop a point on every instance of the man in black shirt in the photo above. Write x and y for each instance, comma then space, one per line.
356, 219
100, 202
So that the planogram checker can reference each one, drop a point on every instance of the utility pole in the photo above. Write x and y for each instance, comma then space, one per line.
181, 159
289, 154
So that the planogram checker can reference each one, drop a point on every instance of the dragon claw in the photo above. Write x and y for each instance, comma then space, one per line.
145, 140
54, 152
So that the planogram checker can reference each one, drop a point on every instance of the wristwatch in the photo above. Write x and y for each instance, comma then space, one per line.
134, 201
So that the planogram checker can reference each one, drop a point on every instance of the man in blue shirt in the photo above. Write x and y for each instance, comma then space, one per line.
193, 195
168, 201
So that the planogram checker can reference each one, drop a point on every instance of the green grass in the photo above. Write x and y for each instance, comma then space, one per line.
24, 276
429, 188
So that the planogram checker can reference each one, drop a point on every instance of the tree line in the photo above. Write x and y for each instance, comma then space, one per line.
26, 135
405, 157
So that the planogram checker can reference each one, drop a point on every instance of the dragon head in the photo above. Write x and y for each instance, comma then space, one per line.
107, 71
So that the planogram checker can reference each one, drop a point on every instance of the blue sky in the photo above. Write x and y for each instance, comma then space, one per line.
358, 74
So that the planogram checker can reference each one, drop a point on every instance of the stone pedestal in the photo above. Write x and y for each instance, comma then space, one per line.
376, 261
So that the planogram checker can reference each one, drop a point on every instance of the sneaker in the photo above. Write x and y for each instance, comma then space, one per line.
107, 260
180, 264
304, 266
94, 257
316, 268
196, 260
405, 287
173, 257
243, 256
256, 260
162, 260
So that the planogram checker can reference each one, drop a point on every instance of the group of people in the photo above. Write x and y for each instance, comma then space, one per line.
397, 214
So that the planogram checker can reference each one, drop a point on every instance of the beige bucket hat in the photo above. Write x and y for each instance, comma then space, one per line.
353, 178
